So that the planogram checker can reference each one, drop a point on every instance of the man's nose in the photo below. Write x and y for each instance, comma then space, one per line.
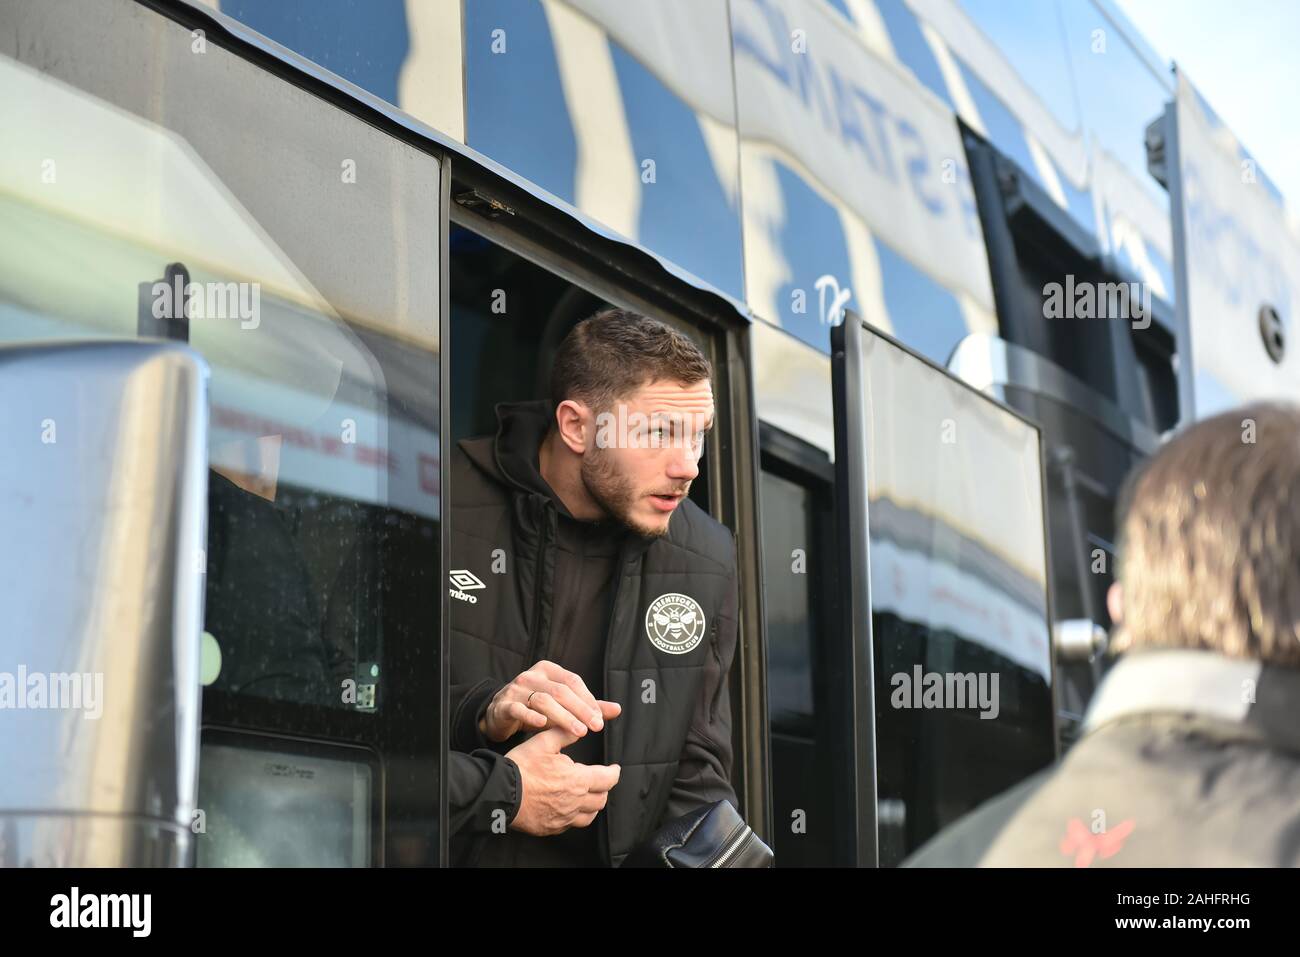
683, 466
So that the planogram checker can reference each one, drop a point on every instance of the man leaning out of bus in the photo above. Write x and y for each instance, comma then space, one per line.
1191, 750
592, 598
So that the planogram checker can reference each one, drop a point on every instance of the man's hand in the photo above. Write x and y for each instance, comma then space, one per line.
558, 793
545, 696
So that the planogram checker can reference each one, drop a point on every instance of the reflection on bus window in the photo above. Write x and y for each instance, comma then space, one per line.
408, 53
624, 110
268, 807
963, 665
323, 487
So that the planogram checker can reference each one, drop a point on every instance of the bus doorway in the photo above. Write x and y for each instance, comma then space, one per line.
511, 303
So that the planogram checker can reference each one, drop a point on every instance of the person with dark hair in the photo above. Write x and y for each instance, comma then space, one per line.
1191, 750
592, 597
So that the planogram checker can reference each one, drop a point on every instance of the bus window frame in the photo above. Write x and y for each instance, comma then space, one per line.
547, 238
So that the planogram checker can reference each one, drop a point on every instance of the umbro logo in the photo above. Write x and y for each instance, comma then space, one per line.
463, 580
466, 580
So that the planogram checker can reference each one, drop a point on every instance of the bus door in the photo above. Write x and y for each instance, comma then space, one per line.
946, 618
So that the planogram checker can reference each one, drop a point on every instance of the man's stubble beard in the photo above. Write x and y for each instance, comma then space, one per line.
614, 493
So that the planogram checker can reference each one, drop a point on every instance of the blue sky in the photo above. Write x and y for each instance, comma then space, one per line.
1244, 57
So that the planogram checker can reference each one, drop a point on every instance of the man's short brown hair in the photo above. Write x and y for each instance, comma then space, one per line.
615, 352
1210, 539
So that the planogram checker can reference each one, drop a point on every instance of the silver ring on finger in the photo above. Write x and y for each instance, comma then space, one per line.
528, 702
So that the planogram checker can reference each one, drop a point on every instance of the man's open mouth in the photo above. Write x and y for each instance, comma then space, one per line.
666, 502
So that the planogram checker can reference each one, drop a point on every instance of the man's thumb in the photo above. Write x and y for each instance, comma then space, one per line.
554, 739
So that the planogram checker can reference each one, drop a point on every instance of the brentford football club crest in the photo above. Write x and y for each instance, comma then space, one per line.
674, 623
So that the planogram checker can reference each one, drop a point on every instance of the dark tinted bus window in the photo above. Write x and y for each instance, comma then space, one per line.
508, 317
960, 620
805, 703
788, 530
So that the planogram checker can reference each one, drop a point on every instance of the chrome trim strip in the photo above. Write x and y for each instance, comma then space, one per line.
989, 363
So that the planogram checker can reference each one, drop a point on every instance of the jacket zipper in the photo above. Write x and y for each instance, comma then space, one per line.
722, 675
542, 537
609, 633
535, 642
733, 844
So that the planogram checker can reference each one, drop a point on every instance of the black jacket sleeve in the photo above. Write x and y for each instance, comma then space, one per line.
468, 704
704, 772
483, 792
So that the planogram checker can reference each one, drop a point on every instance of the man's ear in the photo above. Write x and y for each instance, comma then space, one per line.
574, 422
1115, 603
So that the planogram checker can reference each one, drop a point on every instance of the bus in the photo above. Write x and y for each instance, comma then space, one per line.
958, 265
